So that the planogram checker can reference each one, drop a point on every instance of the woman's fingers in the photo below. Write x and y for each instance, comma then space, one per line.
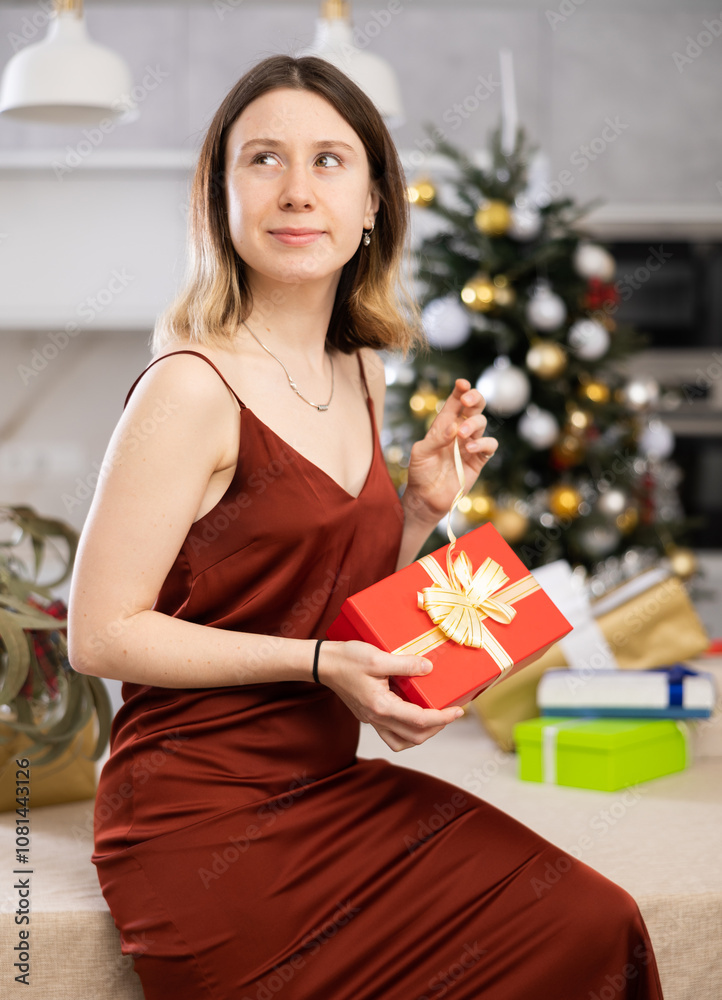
389, 711
392, 740
473, 426
404, 717
484, 446
462, 405
398, 741
360, 673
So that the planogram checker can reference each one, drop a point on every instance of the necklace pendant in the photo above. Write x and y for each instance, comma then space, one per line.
318, 406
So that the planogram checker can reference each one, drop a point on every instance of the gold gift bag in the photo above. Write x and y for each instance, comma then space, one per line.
70, 778
653, 629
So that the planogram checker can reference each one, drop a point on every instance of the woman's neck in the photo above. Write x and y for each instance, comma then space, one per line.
292, 321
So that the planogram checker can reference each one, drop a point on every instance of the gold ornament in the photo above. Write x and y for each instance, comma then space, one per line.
504, 294
546, 358
568, 450
493, 218
394, 454
477, 507
579, 420
564, 501
628, 520
424, 402
478, 293
421, 193
511, 525
595, 392
399, 474
683, 561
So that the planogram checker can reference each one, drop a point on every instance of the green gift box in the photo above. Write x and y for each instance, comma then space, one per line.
606, 754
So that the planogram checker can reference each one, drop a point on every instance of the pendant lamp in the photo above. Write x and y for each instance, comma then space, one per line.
67, 79
334, 42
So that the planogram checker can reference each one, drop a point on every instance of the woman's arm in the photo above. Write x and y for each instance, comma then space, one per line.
171, 437
418, 525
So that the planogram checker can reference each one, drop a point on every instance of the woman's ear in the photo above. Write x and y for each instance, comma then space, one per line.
373, 202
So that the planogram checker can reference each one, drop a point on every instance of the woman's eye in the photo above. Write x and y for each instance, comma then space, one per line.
261, 156
322, 156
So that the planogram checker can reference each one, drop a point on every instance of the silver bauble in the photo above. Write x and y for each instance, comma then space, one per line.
539, 428
505, 387
588, 339
598, 540
592, 261
612, 503
640, 393
446, 322
525, 223
545, 310
657, 440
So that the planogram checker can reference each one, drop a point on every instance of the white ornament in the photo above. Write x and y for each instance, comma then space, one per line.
538, 428
397, 371
505, 388
657, 440
592, 261
599, 540
525, 223
640, 393
612, 503
545, 310
446, 322
588, 339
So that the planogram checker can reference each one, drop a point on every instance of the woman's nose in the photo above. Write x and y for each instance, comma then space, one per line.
297, 186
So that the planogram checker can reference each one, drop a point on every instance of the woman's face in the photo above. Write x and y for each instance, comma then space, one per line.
292, 162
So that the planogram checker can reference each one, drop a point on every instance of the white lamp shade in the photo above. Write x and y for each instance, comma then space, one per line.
67, 79
334, 43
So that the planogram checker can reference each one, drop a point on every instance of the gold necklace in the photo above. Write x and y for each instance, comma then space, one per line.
318, 406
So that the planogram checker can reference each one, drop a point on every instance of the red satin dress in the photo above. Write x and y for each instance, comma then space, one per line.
246, 852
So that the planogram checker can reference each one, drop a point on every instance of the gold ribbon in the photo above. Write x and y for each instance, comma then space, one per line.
460, 599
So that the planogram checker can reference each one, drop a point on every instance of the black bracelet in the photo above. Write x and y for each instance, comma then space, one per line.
315, 661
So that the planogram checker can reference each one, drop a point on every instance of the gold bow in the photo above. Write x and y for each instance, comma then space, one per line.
460, 599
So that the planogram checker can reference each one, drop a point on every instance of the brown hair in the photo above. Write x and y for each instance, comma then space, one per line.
373, 306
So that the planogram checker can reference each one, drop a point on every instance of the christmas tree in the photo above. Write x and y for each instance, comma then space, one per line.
518, 299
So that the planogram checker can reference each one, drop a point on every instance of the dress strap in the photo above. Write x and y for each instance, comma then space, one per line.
198, 355
363, 374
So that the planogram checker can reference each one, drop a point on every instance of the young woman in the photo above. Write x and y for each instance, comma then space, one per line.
242, 847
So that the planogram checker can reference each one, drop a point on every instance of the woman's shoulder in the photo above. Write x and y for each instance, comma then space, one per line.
184, 374
375, 376
373, 364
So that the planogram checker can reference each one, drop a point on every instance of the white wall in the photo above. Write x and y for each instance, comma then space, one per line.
605, 59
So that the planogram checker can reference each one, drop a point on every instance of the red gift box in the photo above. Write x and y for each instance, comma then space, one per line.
479, 617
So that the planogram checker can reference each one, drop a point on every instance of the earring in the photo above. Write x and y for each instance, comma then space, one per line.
367, 235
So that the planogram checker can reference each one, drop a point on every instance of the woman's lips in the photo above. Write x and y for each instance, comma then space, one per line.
297, 239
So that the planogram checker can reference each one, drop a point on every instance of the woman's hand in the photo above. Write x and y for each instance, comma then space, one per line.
432, 479
359, 674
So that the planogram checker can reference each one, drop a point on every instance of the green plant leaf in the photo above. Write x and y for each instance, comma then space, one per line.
80, 698
29, 617
18, 656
